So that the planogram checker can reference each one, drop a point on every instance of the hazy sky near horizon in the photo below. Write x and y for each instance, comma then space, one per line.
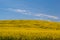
30, 9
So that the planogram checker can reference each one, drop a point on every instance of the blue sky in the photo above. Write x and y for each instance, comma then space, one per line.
30, 9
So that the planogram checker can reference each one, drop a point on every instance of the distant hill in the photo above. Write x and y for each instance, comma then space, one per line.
30, 24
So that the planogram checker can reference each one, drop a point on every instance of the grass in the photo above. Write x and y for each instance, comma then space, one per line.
29, 30
12, 33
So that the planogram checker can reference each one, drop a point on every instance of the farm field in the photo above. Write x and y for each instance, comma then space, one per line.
29, 30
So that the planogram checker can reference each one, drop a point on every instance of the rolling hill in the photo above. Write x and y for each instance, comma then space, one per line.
30, 24
29, 30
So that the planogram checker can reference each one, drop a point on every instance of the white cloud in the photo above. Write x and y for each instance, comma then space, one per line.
20, 11
48, 16
26, 12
